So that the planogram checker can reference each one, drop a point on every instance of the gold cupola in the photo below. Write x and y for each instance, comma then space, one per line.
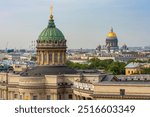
111, 34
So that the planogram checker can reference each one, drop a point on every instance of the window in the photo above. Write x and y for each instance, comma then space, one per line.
48, 97
70, 96
50, 57
61, 58
84, 98
34, 98
55, 57
17, 66
15, 96
21, 97
122, 92
45, 57
145, 79
59, 96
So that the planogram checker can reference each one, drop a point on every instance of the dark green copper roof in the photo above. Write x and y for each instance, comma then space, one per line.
51, 32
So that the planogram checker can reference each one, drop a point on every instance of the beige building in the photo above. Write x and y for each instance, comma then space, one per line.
73, 87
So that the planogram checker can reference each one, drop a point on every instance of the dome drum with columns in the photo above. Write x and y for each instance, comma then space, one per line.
51, 52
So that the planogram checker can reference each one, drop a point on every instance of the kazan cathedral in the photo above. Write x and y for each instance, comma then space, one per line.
51, 79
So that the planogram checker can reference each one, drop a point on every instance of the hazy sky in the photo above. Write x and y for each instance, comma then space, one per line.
85, 23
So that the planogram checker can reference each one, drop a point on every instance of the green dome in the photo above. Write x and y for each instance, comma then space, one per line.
51, 33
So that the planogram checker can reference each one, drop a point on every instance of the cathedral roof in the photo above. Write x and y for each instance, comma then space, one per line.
51, 32
111, 34
39, 71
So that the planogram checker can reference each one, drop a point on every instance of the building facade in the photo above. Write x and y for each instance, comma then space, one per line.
136, 68
74, 87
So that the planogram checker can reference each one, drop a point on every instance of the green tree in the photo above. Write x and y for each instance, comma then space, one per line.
117, 68
96, 63
77, 65
146, 71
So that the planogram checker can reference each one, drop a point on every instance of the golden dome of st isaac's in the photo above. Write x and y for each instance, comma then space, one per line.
112, 34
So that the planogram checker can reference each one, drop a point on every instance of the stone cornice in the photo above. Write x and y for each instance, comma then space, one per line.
125, 97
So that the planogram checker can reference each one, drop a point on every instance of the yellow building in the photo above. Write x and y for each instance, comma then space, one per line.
19, 67
135, 68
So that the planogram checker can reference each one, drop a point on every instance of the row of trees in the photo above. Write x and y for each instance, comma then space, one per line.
139, 61
116, 68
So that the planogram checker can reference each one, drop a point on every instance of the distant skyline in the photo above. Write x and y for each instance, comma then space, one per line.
84, 23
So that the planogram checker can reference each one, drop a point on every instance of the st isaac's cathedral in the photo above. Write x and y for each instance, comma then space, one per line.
112, 41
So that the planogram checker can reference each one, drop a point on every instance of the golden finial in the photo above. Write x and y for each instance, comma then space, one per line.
51, 12
111, 29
